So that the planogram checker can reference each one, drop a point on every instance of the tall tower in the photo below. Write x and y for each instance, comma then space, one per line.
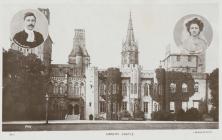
79, 55
130, 49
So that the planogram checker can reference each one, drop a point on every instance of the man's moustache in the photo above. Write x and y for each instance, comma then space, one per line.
31, 25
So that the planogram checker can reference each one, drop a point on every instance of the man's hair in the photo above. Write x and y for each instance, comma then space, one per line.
29, 14
195, 21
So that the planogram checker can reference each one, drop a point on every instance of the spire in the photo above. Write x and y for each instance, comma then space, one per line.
130, 34
130, 49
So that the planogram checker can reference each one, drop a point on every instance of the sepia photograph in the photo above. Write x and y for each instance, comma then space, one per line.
110, 66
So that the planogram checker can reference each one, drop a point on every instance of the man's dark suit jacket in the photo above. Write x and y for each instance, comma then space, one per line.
20, 39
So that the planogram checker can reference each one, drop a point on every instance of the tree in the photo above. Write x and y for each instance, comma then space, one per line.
213, 84
23, 87
113, 96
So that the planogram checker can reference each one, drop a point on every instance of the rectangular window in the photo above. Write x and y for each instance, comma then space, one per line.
135, 88
114, 88
196, 86
131, 87
101, 89
124, 106
102, 106
145, 107
189, 58
124, 89
196, 104
184, 106
146, 89
172, 107
178, 58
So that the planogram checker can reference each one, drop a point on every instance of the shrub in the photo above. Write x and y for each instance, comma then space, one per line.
163, 116
214, 114
99, 117
180, 115
138, 114
192, 114
124, 114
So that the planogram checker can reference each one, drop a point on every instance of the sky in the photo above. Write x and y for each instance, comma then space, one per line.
106, 28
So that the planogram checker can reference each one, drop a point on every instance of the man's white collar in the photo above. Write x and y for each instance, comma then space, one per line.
31, 35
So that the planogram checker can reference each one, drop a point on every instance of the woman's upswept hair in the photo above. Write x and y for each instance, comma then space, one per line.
195, 21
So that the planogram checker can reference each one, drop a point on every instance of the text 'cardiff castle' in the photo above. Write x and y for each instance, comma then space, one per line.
79, 91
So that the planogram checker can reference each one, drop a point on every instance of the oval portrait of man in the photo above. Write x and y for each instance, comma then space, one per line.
29, 28
193, 33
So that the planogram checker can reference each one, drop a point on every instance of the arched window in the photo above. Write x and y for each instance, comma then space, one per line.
55, 88
172, 87
196, 86
70, 88
145, 89
184, 87
76, 89
61, 88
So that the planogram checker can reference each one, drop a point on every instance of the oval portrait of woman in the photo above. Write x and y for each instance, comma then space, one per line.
193, 33
29, 28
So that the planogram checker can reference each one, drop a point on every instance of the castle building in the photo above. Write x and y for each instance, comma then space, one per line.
85, 92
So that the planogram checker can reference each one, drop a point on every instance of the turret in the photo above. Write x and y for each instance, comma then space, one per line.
79, 55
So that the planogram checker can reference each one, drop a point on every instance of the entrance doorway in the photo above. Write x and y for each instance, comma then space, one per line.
76, 109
